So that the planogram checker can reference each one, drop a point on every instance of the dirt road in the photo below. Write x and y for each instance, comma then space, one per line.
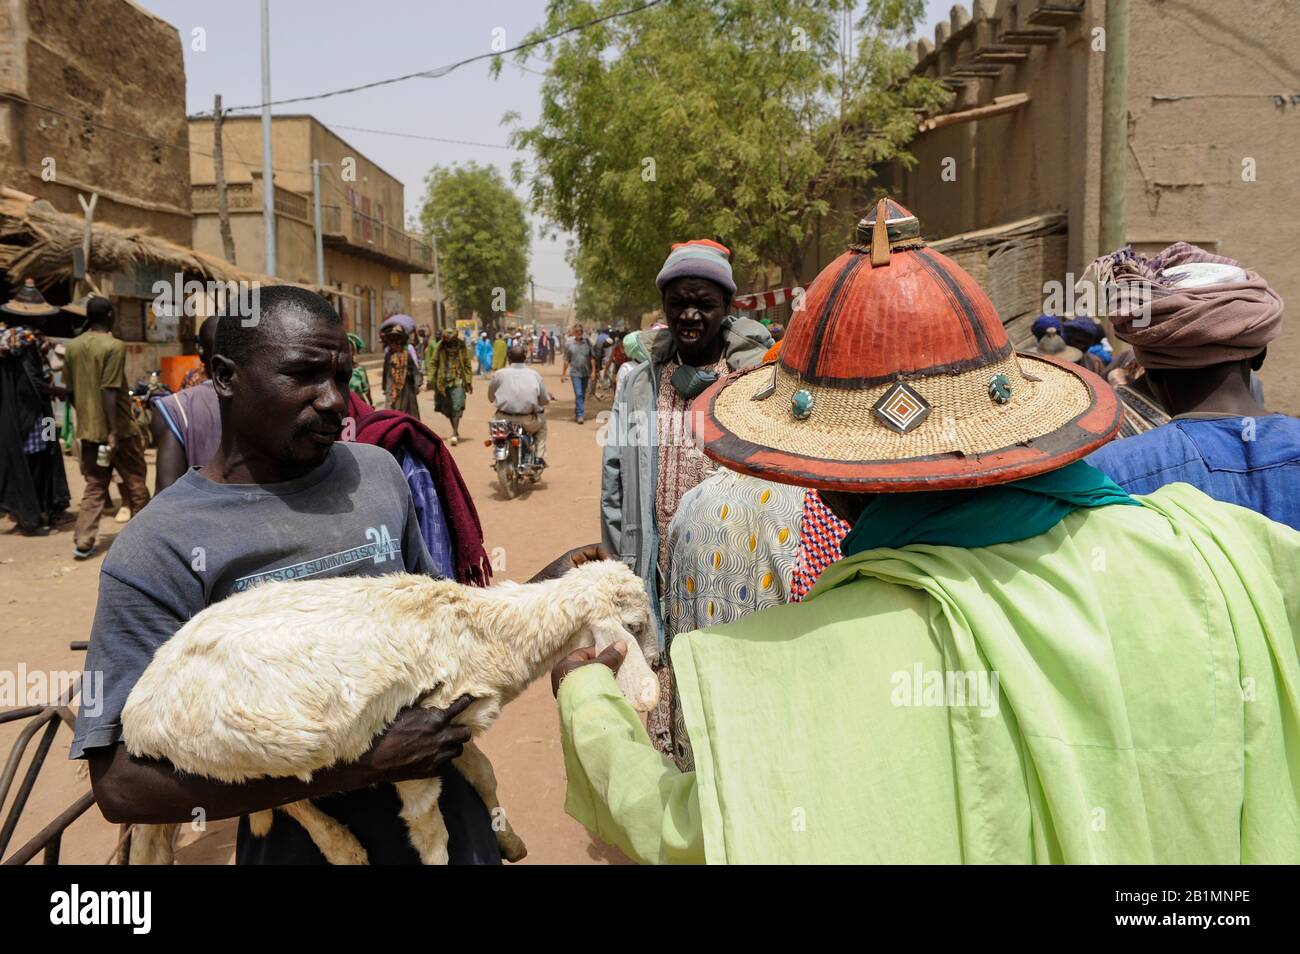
47, 599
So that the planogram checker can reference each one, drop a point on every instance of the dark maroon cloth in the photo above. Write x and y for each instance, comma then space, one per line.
393, 429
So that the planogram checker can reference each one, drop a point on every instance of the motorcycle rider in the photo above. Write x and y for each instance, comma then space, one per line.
520, 395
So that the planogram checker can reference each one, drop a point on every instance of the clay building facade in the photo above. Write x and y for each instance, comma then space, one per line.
1213, 126
81, 116
369, 257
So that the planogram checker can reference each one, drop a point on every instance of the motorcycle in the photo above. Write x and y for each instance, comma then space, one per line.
512, 456
142, 397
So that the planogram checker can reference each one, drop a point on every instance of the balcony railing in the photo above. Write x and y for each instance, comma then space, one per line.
244, 196
367, 232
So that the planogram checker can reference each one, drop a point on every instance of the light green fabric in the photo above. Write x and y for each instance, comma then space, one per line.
1149, 706
620, 787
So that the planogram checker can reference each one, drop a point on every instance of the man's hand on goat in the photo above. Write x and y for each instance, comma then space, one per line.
418, 743
612, 657
575, 557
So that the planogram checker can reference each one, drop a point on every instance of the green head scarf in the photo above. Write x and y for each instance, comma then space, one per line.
632, 345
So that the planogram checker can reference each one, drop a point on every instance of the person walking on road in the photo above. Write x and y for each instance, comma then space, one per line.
451, 377
499, 348
108, 439
483, 351
579, 366
401, 365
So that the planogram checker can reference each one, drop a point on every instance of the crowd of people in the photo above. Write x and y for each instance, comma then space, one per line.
916, 596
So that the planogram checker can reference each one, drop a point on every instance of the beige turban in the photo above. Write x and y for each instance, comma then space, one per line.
1187, 325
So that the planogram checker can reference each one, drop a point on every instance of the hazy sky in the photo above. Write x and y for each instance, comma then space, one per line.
319, 45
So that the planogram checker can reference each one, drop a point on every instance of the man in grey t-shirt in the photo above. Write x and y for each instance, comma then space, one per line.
280, 500
579, 365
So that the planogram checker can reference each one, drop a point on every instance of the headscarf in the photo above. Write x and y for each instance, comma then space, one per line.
405, 322
632, 345
359, 383
1043, 322
1085, 327
1185, 325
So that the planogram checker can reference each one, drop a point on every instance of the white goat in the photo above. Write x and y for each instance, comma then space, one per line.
290, 678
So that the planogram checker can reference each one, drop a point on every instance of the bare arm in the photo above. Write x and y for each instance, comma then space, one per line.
171, 462
143, 791
108, 397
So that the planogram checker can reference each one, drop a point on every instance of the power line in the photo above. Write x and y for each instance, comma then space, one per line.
444, 70
402, 135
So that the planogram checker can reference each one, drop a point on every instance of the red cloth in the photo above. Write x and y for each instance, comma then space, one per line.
392, 429
820, 534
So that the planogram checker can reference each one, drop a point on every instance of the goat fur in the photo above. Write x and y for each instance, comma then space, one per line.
290, 678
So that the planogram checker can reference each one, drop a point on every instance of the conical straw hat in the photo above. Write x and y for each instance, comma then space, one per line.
29, 303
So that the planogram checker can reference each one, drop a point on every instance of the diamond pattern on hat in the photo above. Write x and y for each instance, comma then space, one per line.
901, 409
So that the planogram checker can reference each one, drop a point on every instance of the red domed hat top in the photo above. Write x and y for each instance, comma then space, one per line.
865, 323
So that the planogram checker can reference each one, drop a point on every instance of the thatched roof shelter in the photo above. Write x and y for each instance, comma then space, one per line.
37, 241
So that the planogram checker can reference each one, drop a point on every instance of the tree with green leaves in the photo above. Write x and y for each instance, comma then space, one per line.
483, 239
746, 121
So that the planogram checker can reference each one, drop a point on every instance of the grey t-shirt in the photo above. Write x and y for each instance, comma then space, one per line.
579, 354
198, 541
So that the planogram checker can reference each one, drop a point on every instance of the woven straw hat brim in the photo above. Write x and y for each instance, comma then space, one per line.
1058, 413
24, 309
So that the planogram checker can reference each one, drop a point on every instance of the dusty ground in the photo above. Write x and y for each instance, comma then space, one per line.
47, 599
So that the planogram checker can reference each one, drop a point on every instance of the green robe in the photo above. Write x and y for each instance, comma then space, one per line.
1147, 706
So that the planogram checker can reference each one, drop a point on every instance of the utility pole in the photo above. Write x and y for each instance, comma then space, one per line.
441, 321
532, 286
219, 178
268, 175
89, 209
1112, 230
320, 246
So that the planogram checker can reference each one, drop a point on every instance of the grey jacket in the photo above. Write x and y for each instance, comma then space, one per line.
630, 460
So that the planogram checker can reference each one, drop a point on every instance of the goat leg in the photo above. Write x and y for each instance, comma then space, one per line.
477, 770
336, 843
423, 817
153, 844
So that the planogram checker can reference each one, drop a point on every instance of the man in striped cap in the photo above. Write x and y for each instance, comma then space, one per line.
650, 459
978, 678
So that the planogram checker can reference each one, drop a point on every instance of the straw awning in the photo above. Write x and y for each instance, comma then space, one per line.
37, 242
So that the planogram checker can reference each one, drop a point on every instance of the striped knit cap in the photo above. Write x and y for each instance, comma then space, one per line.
698, 258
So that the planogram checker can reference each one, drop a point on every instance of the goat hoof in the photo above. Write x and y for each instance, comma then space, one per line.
512, 846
